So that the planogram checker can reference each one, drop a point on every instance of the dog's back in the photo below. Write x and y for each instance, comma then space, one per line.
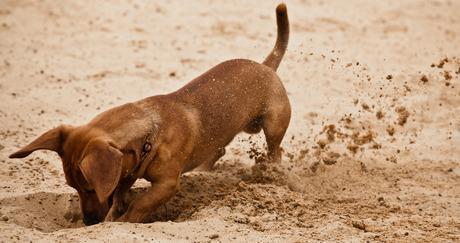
237, 95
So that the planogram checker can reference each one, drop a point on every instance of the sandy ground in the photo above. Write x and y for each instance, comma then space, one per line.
372, 152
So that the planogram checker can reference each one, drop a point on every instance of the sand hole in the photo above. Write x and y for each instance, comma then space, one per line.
43, 211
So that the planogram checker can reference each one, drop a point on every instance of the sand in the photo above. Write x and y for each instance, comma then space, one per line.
372, 151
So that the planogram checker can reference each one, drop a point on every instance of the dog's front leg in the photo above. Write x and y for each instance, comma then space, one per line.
140, 209
119, 199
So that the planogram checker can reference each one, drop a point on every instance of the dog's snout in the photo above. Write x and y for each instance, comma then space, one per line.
91, 219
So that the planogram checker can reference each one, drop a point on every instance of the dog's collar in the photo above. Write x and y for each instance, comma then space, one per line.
147, 148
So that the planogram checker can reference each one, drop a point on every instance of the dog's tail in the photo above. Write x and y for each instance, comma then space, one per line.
274, 58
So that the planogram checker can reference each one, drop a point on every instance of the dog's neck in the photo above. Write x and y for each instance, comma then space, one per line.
147, 154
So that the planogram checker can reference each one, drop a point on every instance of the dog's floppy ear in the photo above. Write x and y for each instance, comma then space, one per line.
101, 167
50, 140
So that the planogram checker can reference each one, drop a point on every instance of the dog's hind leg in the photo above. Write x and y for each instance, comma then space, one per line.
275, 124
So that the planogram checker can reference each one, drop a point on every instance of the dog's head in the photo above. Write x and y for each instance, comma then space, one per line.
96, 156
92, 165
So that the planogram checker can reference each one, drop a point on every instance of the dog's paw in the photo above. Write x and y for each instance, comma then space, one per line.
113, 215
110, 217
124, 218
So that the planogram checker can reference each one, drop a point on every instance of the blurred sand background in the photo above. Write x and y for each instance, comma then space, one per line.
372, 152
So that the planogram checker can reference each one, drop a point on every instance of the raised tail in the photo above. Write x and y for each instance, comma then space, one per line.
273, 60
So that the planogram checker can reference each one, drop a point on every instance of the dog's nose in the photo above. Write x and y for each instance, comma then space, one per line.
91, 219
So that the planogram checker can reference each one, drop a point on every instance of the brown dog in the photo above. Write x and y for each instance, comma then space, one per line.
160, 137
